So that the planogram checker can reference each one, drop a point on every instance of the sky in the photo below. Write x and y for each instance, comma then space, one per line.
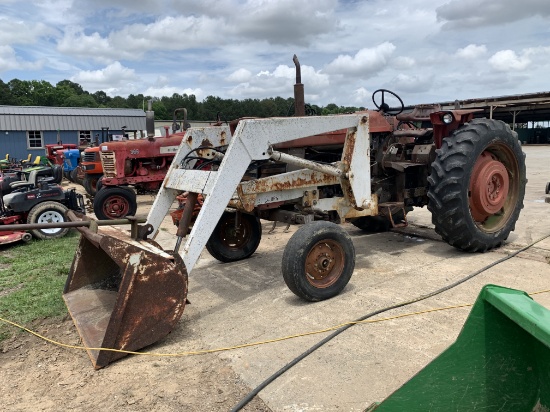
426, 51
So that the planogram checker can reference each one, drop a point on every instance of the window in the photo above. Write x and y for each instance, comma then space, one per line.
34, 139
84, 137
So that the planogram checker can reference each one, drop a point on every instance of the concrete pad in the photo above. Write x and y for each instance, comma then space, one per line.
248, 301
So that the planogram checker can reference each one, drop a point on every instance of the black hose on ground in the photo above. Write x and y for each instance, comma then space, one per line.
289, 365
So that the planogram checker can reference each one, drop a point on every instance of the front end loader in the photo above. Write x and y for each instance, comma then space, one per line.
124, 292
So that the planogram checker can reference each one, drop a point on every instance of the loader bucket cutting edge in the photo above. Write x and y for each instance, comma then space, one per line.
123, 294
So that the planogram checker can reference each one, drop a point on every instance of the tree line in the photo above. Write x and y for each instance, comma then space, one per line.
70, 94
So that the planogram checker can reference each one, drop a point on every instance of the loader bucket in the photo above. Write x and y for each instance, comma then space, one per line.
499, 362
123, 294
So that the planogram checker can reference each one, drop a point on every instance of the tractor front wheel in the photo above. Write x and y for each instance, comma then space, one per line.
477, 185
115, 203
235, 238
318, 261
48, 212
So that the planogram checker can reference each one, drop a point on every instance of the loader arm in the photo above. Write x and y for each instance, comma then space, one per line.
252, 140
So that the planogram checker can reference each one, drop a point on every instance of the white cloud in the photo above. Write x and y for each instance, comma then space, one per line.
133, 41
239, 76
412, 83
280, 82
362, 96
20, 32
285, 21
114, 77
403, 62
508, 60
471, 51
364, 62
10, 61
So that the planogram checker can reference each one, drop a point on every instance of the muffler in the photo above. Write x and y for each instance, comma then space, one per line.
123, 294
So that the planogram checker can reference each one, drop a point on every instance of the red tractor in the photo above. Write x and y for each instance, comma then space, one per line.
90, 170
140, 163
53, 152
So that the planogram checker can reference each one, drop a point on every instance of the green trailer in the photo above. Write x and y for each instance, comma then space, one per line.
499, 362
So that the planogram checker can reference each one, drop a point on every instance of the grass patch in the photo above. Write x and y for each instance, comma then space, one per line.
32, 277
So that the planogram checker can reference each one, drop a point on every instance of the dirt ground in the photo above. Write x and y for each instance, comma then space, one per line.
39, 376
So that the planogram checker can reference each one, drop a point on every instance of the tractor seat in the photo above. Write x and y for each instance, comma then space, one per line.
27, 160
28, 184
420, 113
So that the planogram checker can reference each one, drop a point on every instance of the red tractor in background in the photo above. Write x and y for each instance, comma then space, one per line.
90, 169
140, 163
53, 151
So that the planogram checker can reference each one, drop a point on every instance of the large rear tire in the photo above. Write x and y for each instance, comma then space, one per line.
318, 261
477, 185
48, 212
229, 243
115, 203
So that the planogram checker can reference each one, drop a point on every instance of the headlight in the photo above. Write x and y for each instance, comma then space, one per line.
447, 118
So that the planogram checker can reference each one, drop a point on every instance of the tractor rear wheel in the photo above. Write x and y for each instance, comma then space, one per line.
318, 261
230, 242
48, 212
73, 177
115, 203
90, 183
477, 185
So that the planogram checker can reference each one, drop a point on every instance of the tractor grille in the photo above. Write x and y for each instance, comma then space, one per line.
109, 161
89, 157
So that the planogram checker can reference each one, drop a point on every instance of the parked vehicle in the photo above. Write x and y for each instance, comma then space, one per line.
132, 166
36, 200
315, 171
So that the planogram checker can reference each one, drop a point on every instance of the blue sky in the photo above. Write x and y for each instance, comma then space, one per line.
424, 50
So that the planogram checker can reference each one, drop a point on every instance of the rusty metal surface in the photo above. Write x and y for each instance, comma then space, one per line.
306, 164
489, 187
299, 94
324, 263
123, 294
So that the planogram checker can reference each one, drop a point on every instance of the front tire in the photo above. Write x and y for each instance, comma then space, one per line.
477, 185
90, 183
229, 243
115, 203
318, 261
48, 212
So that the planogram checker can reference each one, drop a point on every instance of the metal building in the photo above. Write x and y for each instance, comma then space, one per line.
26, 130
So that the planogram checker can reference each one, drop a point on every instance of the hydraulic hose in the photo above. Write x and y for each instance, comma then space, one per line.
337, 332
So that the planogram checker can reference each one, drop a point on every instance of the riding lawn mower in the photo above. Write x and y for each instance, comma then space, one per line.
36, 200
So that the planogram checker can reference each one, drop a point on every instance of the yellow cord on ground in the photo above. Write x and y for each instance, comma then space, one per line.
244, 345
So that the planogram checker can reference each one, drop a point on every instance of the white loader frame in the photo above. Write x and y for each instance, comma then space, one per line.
252, 140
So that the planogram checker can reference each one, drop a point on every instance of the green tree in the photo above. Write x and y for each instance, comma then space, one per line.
21, 91
118, 102
43, 93
101, 98
72, 85
83, 100
6, 98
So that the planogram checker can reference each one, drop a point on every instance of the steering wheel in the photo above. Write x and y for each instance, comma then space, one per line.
384, 107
